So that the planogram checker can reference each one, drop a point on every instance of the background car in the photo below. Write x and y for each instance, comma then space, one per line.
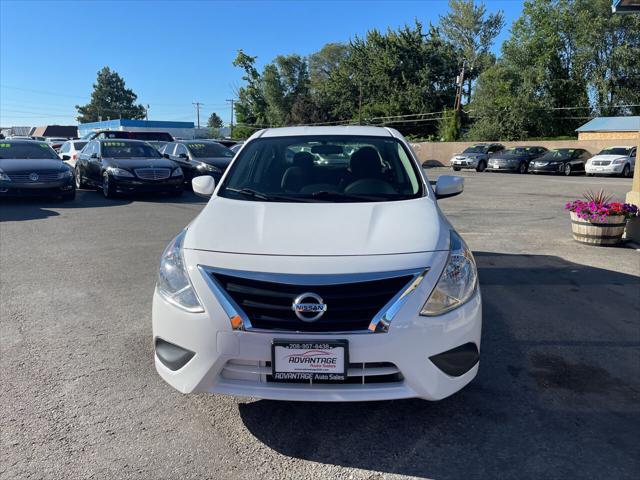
561, 160
199, 157
126, 166
613, 161
31, 168
514, 159
56, 142
475, 156
236, 147
69, 151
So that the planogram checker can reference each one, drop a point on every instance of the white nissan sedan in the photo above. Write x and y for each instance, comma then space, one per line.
321, 269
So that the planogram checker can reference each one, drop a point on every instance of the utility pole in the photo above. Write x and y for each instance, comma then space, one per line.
146, 113
459, 83
232, 101
197, 105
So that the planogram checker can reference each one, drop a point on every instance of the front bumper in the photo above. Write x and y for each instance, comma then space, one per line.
611, 169
135, 185
467, 163
36, 189
237, 362
502, 168
559, 168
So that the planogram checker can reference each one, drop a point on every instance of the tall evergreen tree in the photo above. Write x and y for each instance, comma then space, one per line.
110, 99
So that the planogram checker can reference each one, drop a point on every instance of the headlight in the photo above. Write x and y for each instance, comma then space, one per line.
173, 281
457, 282
65, 174
209, 168
177, 172
4, 177
619, 161
553, 163
119, 172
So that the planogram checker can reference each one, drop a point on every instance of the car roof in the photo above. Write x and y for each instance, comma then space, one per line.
619, 146
131, 140
24, 140
356, 130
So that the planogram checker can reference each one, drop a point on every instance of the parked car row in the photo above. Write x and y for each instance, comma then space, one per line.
494, 157
113, 166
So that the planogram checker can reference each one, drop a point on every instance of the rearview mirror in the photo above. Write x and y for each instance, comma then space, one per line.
204, 185
94, 155
449, 186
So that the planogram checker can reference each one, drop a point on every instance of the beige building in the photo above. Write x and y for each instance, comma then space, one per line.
606, 128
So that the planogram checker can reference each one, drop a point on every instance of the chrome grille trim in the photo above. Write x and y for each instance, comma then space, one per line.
379, 323
153, 173
42, 177
601, 162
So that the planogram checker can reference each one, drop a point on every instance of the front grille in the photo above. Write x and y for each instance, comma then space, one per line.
357, 373
350, 306
42, 177
153, 173
601, 162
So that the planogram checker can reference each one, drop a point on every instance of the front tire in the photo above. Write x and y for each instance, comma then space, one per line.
482, 165
567, 169
456, 169
108, 189
626, 171
78, 178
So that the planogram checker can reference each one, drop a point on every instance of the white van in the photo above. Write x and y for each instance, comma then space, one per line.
321, 269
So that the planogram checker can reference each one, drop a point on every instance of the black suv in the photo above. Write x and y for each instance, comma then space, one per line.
199, 157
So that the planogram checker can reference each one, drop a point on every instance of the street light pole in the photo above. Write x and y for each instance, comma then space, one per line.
232, 101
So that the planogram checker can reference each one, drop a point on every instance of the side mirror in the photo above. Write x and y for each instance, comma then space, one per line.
166, 155
204, 185
184, 155
94, 155
66, 157
449, 186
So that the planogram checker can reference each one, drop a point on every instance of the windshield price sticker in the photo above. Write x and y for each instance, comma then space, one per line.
114, 144
197, 145
310, 361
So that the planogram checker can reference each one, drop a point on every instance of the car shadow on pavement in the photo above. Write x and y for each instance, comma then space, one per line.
19, 209
557, 394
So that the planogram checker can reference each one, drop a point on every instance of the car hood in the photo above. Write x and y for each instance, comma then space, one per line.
36, 165
129, 163
608, 157
509, 156
470, 155
554, 159
319, 229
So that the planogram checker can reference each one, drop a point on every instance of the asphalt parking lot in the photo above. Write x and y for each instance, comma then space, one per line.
557, 396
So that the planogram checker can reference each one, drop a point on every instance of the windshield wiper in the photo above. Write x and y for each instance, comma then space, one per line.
327, 195
248, 192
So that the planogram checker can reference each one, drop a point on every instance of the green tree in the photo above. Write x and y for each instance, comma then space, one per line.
472, 32
110, 99
215, 123
449, 126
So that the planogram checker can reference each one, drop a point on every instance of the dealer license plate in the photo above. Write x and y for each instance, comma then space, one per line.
327, 360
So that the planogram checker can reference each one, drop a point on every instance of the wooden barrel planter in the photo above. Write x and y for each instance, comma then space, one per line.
606, 232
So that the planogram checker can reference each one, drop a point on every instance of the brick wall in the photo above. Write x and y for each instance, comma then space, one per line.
606, 135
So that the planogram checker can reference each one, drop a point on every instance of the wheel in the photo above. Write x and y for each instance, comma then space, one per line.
67, 197
567, 169
481, 166
78, 176
108, 189
626, 171
522, 168
590, 174
456, 169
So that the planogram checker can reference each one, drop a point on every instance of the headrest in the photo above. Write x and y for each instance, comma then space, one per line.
303, 160
365, 163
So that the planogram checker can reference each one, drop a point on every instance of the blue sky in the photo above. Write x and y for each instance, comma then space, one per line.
172, 53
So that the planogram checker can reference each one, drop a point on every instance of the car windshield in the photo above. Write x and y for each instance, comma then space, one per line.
128, 150
323, 169
79, 145
31, 150
209, 150
516, 151
559, 153
476, 149
616, 151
